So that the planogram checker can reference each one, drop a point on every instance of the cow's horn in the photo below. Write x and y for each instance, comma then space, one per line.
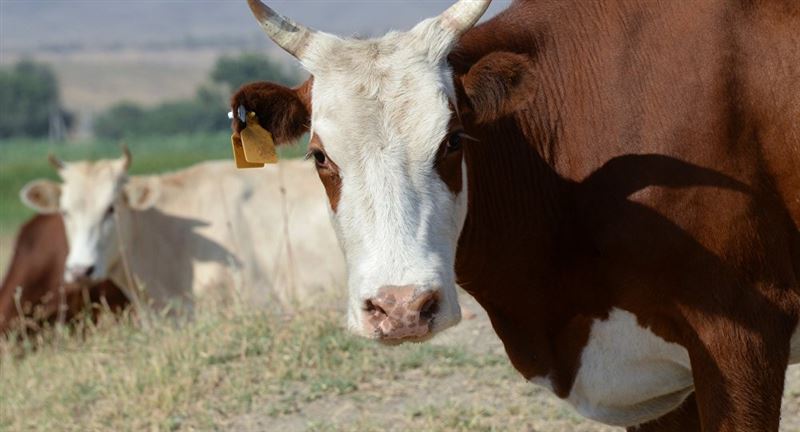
126, 153
292, 37
55, 162
463, 15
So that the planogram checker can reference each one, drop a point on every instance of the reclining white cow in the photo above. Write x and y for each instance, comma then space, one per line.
204, 231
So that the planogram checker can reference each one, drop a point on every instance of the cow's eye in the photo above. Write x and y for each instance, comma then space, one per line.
454, 142
110, 211
319, 157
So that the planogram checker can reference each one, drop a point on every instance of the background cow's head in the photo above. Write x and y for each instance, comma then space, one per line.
95, 200
387, 139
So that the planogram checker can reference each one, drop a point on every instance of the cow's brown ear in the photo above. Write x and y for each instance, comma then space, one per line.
284, 112
42, 196
497, 85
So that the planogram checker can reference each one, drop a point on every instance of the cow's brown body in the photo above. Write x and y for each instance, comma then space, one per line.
653, 167
37, 270
633, 155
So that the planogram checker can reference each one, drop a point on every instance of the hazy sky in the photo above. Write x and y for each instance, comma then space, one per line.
26, 25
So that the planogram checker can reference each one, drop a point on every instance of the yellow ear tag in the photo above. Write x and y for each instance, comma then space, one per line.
238, 154
257, 142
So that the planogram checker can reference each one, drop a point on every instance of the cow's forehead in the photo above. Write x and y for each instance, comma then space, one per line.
387, 94
91, 186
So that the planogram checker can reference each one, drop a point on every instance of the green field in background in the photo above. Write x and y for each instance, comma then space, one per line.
24, 160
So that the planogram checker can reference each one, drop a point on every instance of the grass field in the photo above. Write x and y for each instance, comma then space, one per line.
242, 369
198, 375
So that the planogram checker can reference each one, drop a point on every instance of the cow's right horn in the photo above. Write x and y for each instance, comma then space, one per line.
292, 37
126, 154
461, 16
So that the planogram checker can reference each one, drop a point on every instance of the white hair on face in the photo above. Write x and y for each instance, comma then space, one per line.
88, 190
381, 108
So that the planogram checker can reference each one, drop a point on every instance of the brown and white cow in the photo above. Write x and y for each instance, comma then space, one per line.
617, 183
33, 283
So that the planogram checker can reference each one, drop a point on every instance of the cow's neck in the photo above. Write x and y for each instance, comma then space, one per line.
517, 229
152, 268
524, 252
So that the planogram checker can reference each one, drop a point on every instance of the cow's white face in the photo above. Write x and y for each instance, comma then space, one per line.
386, 141
89, 198
382, 119
94, 201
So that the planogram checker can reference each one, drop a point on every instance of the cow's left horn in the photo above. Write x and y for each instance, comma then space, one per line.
55, 162
463, 15
126, 153
292, 37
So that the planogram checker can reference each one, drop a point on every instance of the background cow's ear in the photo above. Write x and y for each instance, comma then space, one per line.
142, 193
284, 112
497, 85
42, 196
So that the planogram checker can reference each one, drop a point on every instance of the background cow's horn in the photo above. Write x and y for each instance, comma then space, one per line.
126, 153
463, 15
55, 162
292, 37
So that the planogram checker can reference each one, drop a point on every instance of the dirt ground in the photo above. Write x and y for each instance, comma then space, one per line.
493, 398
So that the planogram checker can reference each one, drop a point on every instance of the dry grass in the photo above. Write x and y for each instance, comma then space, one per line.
194, 375
243, 369
251, 370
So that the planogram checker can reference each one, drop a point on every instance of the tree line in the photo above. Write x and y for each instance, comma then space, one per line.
30, 101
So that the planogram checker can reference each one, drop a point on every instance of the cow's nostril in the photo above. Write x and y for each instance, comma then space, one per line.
429, 309
401, 313
89, 271
374, 309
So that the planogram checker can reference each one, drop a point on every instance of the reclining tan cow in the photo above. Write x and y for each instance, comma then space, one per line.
208, 231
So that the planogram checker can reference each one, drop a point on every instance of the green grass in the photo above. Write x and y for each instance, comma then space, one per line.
24, 160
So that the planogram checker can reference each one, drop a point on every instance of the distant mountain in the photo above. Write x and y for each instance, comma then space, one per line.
34, 25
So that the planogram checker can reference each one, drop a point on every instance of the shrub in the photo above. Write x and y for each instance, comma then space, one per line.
202, 114
233, 72
28, 99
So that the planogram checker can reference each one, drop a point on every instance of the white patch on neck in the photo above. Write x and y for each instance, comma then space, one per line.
628, 375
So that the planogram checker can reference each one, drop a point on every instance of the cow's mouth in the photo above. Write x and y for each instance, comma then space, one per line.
434, 328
